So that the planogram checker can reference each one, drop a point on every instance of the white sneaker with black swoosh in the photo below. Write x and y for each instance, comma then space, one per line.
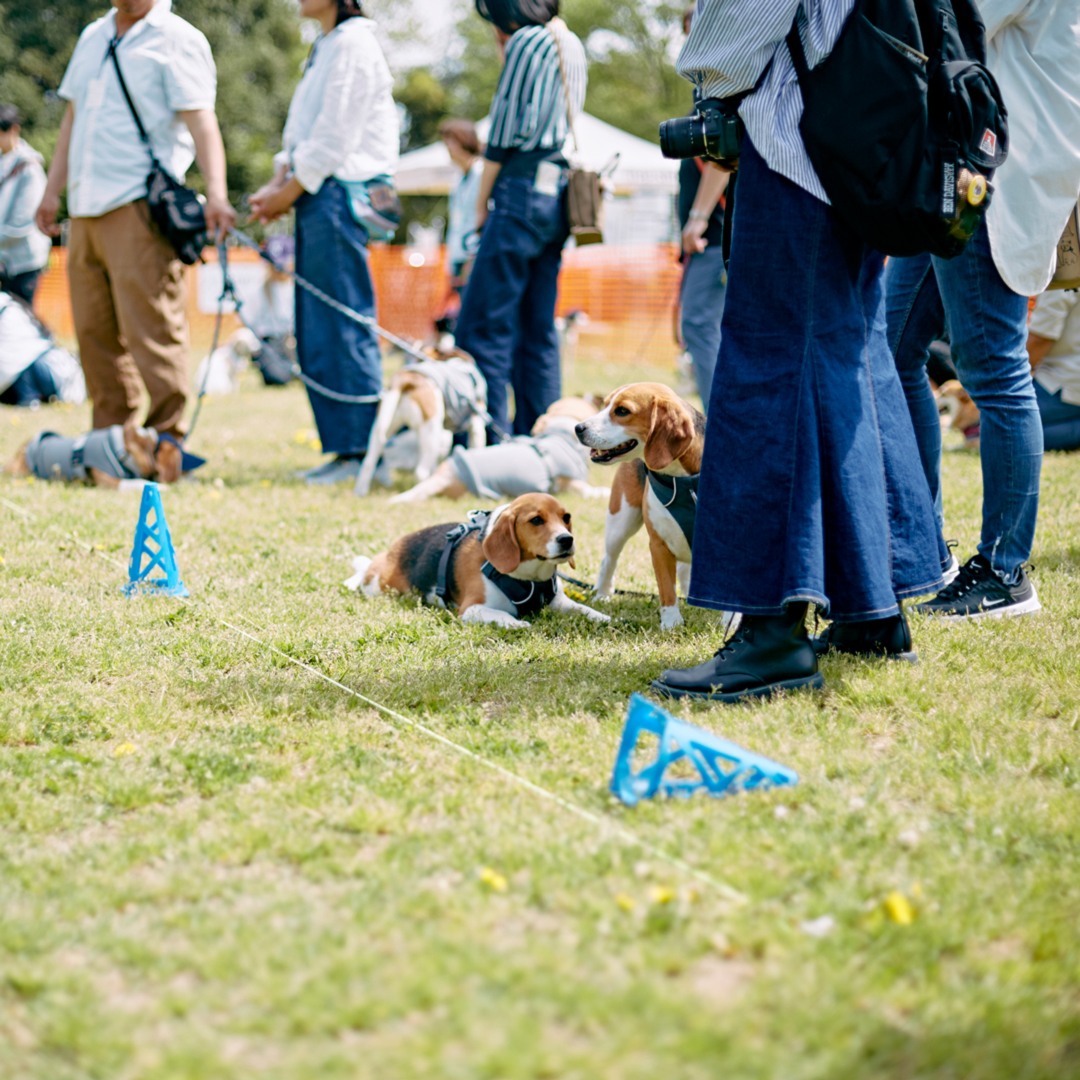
978, 593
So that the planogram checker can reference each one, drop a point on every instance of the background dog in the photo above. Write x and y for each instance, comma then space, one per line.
526, 540
550, 459
144, 456
419, 398
652, 433
955, 403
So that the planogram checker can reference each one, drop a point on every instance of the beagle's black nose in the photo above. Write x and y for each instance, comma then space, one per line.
566, 541
580, 429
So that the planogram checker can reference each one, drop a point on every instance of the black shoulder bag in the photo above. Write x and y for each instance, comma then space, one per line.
175, 209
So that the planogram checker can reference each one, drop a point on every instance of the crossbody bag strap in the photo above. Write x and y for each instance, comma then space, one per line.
113, 46
14, 172
563, 79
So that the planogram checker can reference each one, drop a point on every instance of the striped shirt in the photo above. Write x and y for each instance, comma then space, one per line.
731, 43
529, 108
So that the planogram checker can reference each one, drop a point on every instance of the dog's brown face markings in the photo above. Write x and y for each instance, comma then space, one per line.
648, 416
533, 527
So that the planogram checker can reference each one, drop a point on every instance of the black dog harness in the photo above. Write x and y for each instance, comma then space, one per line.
527, 597
678, 496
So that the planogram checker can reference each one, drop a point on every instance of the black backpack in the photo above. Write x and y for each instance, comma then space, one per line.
902, 104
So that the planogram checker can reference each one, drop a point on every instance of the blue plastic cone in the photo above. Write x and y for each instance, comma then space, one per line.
153, 550
720, 766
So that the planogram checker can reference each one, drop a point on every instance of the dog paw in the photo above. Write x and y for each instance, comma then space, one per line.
360, 565
597, 616
670, 619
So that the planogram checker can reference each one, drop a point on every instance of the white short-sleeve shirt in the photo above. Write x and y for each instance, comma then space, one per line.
168, 68
1057, 317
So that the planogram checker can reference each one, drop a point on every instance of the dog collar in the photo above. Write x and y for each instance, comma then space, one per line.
678, 495
526, 596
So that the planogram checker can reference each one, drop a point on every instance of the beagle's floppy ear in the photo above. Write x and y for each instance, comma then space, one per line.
140, 446
501, 547
169, 460
670, 435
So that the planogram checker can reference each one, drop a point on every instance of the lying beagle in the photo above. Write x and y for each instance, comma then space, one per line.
434, 398
496, 569
959, 412
659, 439
106, 457
551, 459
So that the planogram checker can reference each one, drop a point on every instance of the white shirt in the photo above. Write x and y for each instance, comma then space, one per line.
168, 69
1057, 316
342, 120
1034, 53
23, 247
730, 44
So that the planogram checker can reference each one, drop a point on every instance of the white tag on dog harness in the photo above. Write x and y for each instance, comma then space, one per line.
548, 175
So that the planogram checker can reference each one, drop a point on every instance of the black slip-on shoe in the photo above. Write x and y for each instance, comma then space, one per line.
888, 638
978, 593
764, 655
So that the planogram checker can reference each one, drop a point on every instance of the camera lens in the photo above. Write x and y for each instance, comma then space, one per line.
682, 137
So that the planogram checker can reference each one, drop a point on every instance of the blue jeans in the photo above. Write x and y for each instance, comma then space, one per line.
987, 325
1060, 420
701, 300
331, 349
810, 485
507, 320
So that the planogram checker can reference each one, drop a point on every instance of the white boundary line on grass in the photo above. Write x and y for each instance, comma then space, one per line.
600, 820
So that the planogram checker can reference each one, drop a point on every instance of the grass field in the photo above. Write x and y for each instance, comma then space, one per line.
215, 865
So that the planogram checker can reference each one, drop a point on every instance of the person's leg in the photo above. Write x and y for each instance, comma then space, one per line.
988, 331
147, 282
537, 364
1060, 420
112, 380
701, 309
487, 327
334, 351
916, 318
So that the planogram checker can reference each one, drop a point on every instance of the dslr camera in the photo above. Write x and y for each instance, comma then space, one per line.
712, 131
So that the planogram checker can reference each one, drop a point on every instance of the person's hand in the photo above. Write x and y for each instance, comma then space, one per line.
45, 218
693, 236
269, 203
220, 216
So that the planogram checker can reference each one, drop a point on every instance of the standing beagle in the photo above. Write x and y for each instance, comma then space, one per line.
496, 569
658, 439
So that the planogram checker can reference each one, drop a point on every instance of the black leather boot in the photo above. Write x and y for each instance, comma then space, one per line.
888, 638
767, 653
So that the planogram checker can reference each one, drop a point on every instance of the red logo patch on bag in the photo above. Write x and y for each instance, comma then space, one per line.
988, 145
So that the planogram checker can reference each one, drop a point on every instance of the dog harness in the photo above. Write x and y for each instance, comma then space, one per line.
677, 495
461, 385
526, 463
527, 597
51, 456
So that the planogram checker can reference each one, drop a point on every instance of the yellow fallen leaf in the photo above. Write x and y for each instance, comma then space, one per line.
99, 547
264, 483
315, 445
624, 901
660, 894
898, 908
125, 749
493, 879
1, 560
917, 890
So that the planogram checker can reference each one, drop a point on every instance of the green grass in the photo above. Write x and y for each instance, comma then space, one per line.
213, 864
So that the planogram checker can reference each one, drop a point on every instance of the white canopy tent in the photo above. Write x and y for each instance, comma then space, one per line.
641, 166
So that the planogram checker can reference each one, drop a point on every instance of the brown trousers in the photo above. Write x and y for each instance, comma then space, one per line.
128, 300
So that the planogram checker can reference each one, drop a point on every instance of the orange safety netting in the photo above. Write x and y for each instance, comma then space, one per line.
628, 294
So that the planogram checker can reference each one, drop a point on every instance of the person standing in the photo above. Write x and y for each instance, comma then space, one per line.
24, 248
463, 145
128, 295
507, 320
704, 281
982, 295
810, 489
341, 138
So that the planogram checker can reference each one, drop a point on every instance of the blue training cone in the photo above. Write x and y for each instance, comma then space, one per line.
720, 766
153, 550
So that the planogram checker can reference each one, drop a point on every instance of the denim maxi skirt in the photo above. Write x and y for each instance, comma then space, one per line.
331, 252
811, 485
